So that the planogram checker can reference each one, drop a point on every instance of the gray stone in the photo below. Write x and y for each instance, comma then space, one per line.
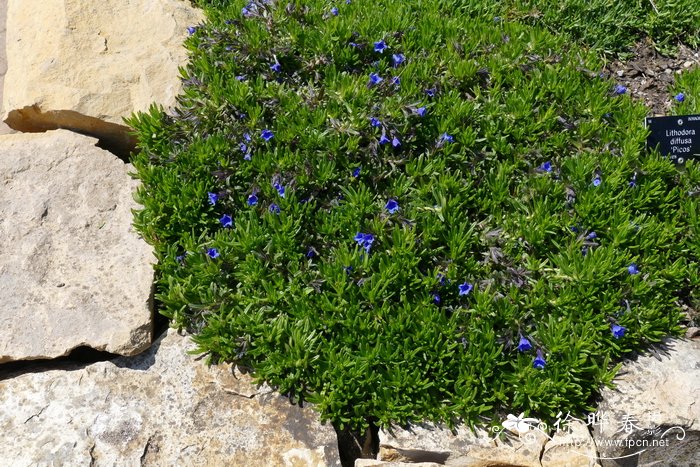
73, 272
461, 447
654, 412
163, 407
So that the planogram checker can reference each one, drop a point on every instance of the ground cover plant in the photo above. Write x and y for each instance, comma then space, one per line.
401, 214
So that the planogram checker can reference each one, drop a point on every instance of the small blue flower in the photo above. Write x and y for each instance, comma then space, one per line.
524, 344
421, 111
445, 138
364, 240
213, 198
353, 44
348, 2
191, 30
267, 135
356, 172
226, 220
310, 253
252, 200
396, 81
597, 180
546, 167
243, 147
539, 361
279, 188
573, 228
430, 92
375, 122
392, 206
441, 278
213, 253
398, 59
395, 142
618, 331
334, 11
436, 299
374, 78
620, 89
383, 139
276, 67
246, 136
633, 183
680, 97
240, 78
180, 258
380, 47
465, 289
633, 269
274, 208
591, 236
247, 156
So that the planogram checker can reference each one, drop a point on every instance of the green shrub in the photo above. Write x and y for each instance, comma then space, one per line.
387, 269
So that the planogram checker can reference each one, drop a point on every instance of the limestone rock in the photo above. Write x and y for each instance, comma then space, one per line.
163, 407
4, 129
573, 446
654, 412
431, 443
72, 271
84, 65
377, 463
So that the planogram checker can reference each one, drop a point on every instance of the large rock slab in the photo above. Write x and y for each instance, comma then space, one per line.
429, 443
653, 415
84, 64
72, 270
163, 407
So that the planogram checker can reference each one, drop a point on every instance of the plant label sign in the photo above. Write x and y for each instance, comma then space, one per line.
677, 137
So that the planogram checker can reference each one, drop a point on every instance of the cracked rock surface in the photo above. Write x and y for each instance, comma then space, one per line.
163, 407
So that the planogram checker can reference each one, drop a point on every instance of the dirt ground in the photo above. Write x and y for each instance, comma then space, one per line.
648, 75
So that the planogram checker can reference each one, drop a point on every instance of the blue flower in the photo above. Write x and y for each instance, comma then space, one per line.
356, 172
591, 236
441, 278
380, 47
421, 111
633, 183
546, 167
430, 92
620, 89
353, 44
539, 361
246, 136
240, 77
392, 206
243, 147
247, 156
213, 253
597, 180
364, 240
436, 299
191, 30
374, 78
633, 269
573, 228
680, 97
395, 142
276, 67
213, 198
396, 81
618, 331
274, 208
180, 259
465, 289
252, 200
383, 139
310, 253
226, 220
445, 138
375, 122
267, 135
524, 344
279, 188
398, 59
334, 11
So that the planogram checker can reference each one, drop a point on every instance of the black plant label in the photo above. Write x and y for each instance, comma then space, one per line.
676, 137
